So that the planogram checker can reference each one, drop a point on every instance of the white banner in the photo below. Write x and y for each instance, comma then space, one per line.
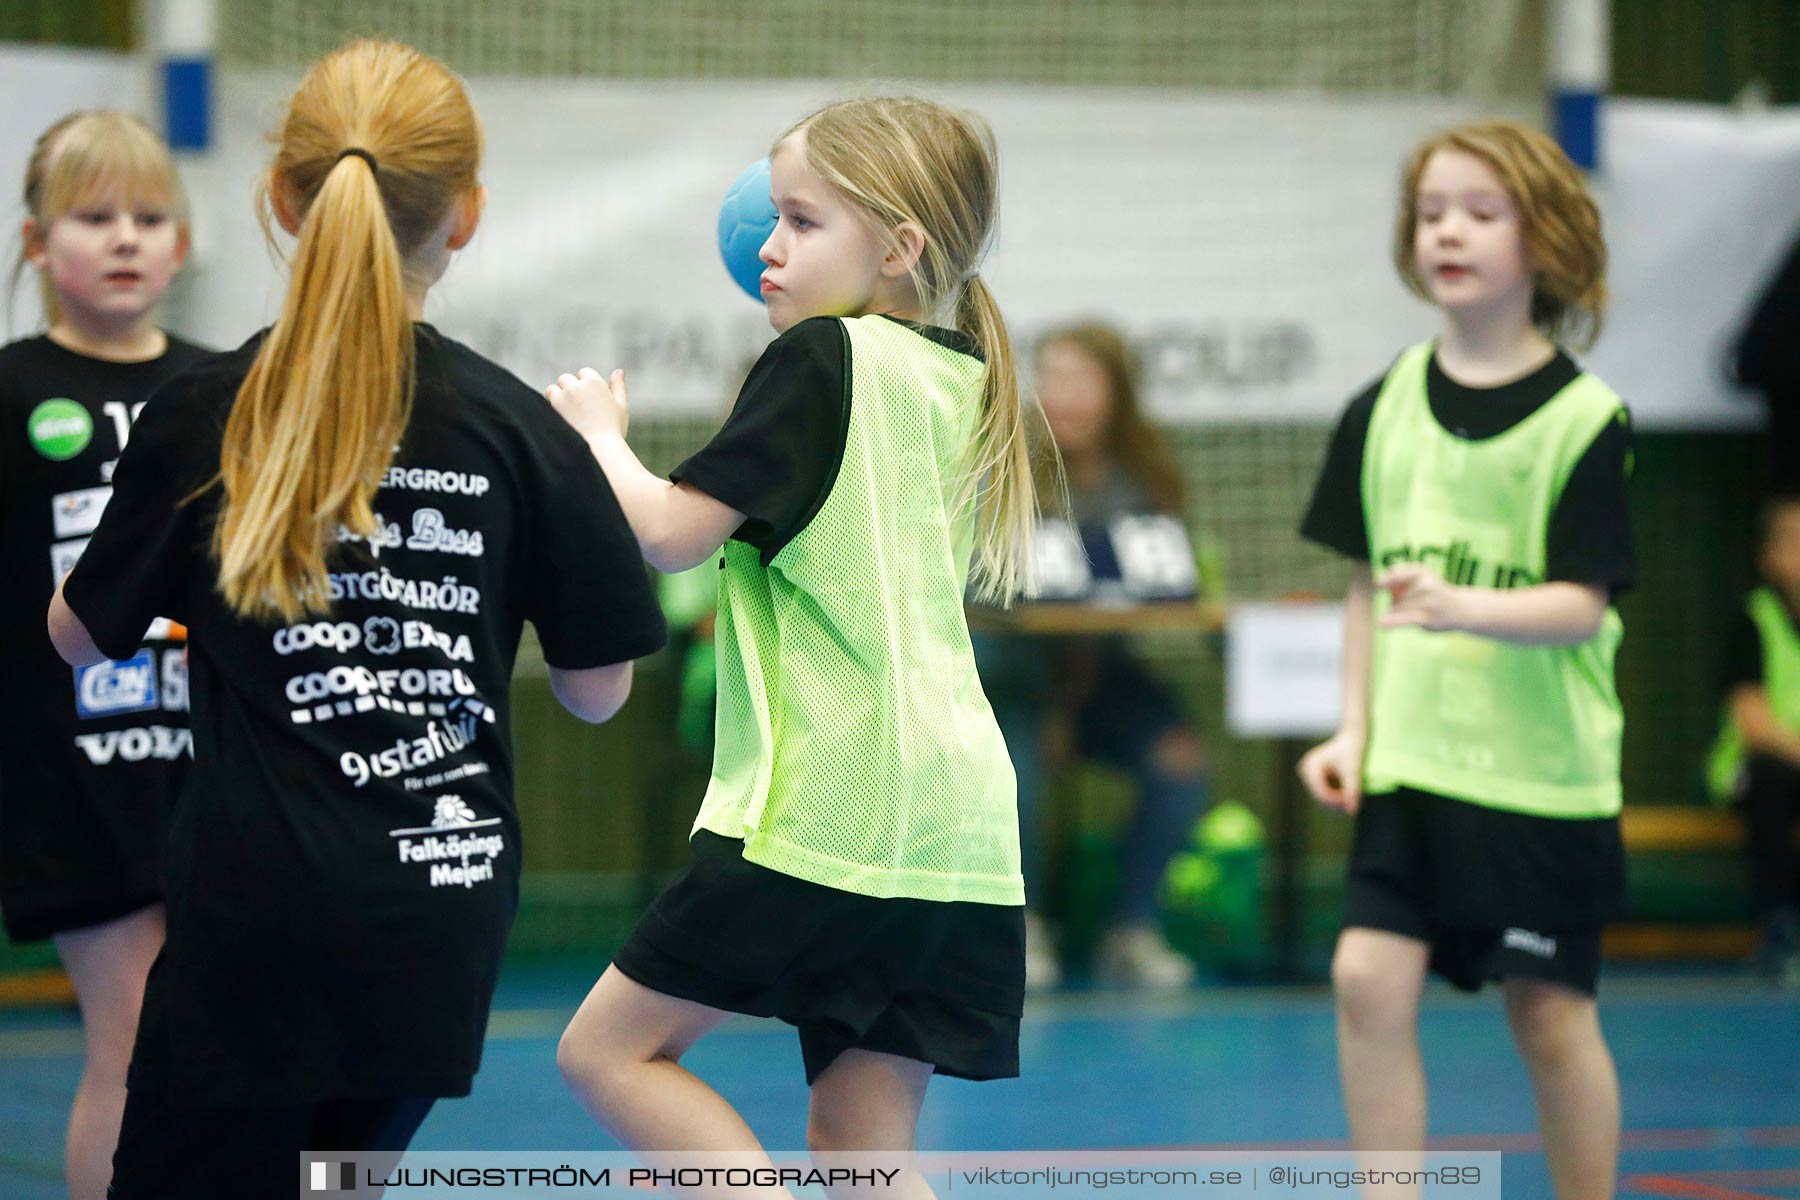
1284, 669
1700, 204
1241, 241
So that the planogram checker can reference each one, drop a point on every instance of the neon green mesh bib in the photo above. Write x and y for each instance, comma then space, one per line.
1781, 684
855, 748
1532, 729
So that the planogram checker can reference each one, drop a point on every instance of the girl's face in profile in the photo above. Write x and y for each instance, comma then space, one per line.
1076, 398
822, 258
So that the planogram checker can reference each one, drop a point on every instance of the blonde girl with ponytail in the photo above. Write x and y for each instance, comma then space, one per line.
856, 863
354, 515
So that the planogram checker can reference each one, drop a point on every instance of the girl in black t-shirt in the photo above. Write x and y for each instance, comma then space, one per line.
88, 761
354, 516
855, 866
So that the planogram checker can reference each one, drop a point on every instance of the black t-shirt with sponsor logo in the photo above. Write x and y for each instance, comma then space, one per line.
89, 759
343, 864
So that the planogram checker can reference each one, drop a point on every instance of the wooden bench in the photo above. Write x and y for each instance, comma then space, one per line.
1674, 829
1680, 829
41, 987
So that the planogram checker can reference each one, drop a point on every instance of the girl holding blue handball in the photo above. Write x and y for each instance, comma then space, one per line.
89, 762
1480, 489
354, 515
856, 856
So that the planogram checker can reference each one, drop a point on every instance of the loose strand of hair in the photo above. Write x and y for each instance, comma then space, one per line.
998, 476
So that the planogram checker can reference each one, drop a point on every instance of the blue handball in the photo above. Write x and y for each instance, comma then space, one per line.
746, 220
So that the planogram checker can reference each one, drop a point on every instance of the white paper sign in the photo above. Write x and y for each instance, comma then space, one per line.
1284, 669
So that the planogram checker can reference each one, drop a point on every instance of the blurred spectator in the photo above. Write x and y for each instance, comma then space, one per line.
1060, 698
1756, 762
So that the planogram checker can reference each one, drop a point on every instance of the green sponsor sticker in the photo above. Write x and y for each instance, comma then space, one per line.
59, 429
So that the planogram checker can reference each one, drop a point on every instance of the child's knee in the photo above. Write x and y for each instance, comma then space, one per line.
1370, 994
1550, 1022
591, 1065
580, 1063
1360, 990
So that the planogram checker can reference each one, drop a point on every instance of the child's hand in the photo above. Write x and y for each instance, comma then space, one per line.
1421, 598
1332, 772
595, 406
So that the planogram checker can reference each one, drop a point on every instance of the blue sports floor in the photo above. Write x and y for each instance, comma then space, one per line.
1709, 1067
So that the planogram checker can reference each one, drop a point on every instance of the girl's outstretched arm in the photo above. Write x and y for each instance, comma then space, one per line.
677, 525
1550, 614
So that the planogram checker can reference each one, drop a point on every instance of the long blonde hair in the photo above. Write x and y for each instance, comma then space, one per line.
900, 160
89, 153
379, 142
1558, 222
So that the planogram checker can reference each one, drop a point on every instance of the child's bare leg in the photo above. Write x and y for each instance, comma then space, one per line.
1377, 977
869, 1101
107, 964
621, 1056
1557, 1029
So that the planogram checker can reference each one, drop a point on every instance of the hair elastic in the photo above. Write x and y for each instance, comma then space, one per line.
359, 152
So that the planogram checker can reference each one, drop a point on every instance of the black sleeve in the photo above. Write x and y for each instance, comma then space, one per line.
1743, 655
1767, 355
135, 567
1589, 539
13, 430
589, 593
1335, 517
778, 453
